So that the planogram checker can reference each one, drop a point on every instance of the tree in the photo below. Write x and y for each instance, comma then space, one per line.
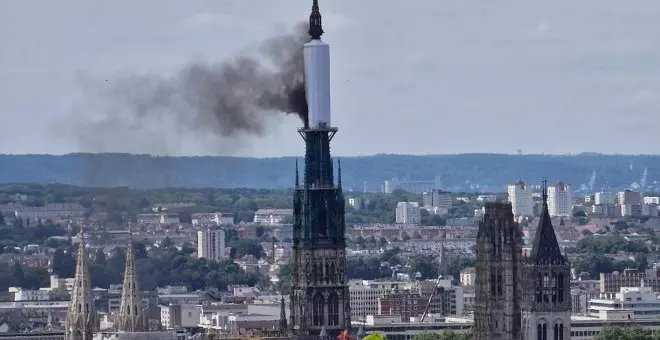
246, 247
618, 333
446, 335
166, 243
19, 276
64, 265
99, 258
284, 278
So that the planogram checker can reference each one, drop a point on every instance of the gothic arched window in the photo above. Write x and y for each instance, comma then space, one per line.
78, 335
560, 287
539, 289
317, 310
539, 332
545, 332
561, 331
556, 337
333, 310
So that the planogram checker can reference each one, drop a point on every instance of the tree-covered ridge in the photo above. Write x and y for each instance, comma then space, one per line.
465, 172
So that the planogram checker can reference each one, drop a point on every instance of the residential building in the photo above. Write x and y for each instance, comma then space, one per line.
211, 244
364, 295
437, 199
408, 213
520, 197
560, 200
272, 216
605, 198
212, 219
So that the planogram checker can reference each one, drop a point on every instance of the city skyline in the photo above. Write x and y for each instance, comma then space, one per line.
455, 71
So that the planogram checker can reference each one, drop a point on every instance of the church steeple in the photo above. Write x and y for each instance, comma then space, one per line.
131, 316
81, 318
545, 248
284, 328
315, 26
547, 279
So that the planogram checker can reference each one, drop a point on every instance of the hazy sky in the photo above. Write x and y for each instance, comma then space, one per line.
415, 77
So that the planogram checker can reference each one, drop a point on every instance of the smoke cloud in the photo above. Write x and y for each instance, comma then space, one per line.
213, 102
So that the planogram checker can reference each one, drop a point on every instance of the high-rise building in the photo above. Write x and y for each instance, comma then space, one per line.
560, 200
408, 213
132, 317
547, 305
319, 292
498, 288
437, 199
81, 319
605, 198
211, 244
520, 197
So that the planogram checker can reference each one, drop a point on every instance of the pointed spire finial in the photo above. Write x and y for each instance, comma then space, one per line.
315, 26
297, 180
545, 190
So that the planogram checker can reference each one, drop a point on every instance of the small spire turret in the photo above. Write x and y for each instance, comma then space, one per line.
283, 324
297, 176
315, 26
131, 316
339, 172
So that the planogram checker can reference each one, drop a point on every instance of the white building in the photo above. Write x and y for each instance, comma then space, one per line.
520, 197
364, 296
560, 200
175, 316
634, 303
217, 219
603, 197
272, 216
21, 294
652, 200
211, 244
408, 213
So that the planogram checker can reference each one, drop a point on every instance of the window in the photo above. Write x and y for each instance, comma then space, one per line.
333, 310
317, 312
560, 287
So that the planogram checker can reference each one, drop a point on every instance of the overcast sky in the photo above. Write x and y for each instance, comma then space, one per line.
411, 77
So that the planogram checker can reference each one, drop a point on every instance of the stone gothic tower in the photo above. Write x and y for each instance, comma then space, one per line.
131, 316
498, 282
320, 297
81, 319
547, 305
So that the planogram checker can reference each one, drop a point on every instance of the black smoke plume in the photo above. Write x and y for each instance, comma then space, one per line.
226, 100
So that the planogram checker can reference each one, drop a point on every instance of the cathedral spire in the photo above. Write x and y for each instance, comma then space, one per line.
283, 324
81, 317
545, 248
131, 316
315, 26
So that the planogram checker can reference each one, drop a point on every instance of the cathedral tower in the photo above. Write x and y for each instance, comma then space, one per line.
131, 316
498, 282
319, 298
81, 319
547, 304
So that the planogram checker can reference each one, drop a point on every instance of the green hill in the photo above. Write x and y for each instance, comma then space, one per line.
465, 172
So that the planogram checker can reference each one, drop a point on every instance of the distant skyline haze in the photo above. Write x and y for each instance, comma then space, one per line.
420, 77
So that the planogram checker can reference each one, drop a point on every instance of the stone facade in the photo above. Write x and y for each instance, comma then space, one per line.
81, 319
131, 316
498, 287
547, 304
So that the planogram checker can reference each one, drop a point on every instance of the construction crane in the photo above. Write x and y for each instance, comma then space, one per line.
433, 292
